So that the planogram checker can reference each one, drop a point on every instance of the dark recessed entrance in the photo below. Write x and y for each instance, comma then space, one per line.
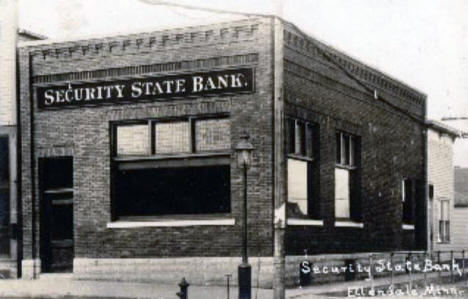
56, 200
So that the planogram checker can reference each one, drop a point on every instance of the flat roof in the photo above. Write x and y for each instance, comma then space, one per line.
443, 128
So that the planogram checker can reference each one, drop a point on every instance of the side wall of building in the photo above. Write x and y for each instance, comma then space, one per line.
459, 227
324, 88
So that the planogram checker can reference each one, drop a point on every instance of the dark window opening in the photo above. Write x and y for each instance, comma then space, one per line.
431, 191
408, 193
348, 177
165, 191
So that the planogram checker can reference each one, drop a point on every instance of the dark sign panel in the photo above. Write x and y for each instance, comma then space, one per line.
222, 82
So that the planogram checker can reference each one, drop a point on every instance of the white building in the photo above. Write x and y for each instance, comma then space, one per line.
441, 204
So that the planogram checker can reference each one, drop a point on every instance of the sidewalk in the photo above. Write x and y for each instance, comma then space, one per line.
60, 286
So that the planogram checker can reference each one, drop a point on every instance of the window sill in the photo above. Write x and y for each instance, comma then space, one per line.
345, 223
407, 226
300, 157
171, 223
443, 242
308, 222
344, 166
171, 156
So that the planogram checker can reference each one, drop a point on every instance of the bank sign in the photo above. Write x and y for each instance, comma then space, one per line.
223, 82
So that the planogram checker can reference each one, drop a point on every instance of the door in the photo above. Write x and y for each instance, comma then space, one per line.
56, 200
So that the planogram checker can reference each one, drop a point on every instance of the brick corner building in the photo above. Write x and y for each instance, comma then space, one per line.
127, 163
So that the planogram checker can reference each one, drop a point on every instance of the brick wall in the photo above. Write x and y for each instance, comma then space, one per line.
84, 132
320, 88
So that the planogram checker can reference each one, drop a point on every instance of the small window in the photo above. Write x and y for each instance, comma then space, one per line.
303, 169
347, 177
431, 191
407, 201
444, 221
133, 139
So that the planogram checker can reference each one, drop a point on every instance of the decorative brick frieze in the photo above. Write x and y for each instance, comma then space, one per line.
148, 69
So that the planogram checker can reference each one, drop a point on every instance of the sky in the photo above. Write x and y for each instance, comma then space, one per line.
421, 42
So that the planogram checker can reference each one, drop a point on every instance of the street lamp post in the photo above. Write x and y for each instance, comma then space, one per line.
244, 159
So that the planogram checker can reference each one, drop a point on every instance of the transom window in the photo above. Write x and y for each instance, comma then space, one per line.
171, 167
301, 138
162, 137
345, 149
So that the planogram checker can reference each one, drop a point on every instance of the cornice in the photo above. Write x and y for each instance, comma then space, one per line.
221, 33
358, 69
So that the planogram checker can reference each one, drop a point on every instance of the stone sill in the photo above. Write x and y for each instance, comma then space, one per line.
346, 223
170, 223
308, 222
407, 226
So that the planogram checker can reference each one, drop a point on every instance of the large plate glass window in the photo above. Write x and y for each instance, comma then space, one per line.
175, 166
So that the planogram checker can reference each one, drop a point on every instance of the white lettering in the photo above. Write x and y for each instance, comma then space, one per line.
69, 97
157, 89
210, 84
236, 80
180, 85
168, 84
305, 267
136, 89
89, 94
119, 89
99, 92
146, 86
197, 84
59, 96
108, 91
223, 81
49, 98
